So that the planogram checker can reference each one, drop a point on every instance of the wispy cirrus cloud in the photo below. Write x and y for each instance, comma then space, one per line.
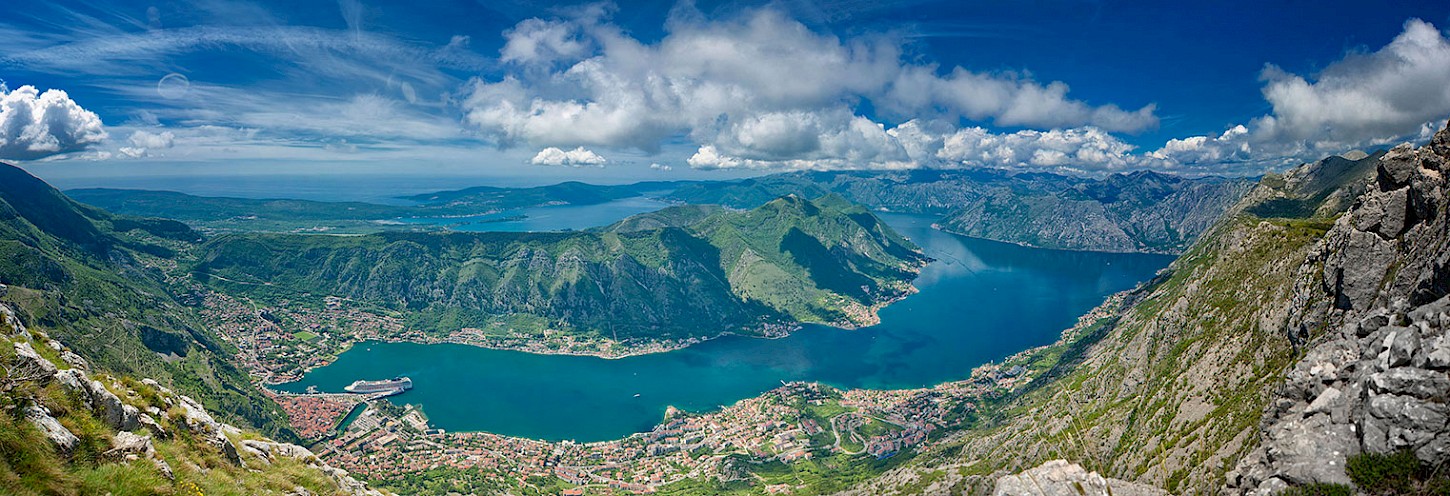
328, 52
237, 67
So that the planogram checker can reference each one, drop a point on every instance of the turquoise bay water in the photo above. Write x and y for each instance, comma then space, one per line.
980, 301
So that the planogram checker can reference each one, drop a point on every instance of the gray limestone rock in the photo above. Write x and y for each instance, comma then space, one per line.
1372, 322
75, 382
1398, 166
1272, 486
130, 446
1060, 478
273, 450
1396, 207
58, 435
31, 362
117, 414
1438, 355
195, 418
9, 323
152, 425
1436, 452
1311, 450
74, 360
1396, 422
1331, 402
1366, 258
164, 468
1399, 347
228, 449
1419, 383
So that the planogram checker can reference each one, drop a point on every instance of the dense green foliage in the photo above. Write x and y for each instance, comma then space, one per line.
1396, 473
686, 271
82, 273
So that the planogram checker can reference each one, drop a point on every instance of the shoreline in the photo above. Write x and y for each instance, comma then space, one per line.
939, 227
790, 328
1109, 307
793, 327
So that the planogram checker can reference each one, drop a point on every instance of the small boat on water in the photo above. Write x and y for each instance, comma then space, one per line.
636, 395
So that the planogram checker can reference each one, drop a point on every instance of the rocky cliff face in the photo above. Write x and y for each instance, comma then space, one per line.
1372, 308
1141, 212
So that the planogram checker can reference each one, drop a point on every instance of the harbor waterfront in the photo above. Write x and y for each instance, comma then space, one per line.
980, 301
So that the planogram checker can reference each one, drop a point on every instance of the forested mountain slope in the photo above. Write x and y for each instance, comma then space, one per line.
91, 278
682, 272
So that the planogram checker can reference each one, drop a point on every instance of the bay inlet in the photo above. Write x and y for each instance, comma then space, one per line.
980, 301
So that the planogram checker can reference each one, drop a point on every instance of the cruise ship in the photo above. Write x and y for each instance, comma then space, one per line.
394, 385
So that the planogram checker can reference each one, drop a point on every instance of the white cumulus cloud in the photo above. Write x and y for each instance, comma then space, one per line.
142, 143
36, 125
1389, 92
577, 157
540, 41
1364, 100
754, 90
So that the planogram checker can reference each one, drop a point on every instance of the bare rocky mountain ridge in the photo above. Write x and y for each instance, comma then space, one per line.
1376, 377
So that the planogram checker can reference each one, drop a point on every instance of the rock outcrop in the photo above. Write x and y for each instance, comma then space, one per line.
134, 430
57, 434
1060, 478
1374, 317
1379, 384
27, 359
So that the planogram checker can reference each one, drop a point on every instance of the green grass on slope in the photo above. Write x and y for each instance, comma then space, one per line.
88, 277
1169, 392
29, 465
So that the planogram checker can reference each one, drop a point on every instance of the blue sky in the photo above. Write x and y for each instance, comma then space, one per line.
612, 92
